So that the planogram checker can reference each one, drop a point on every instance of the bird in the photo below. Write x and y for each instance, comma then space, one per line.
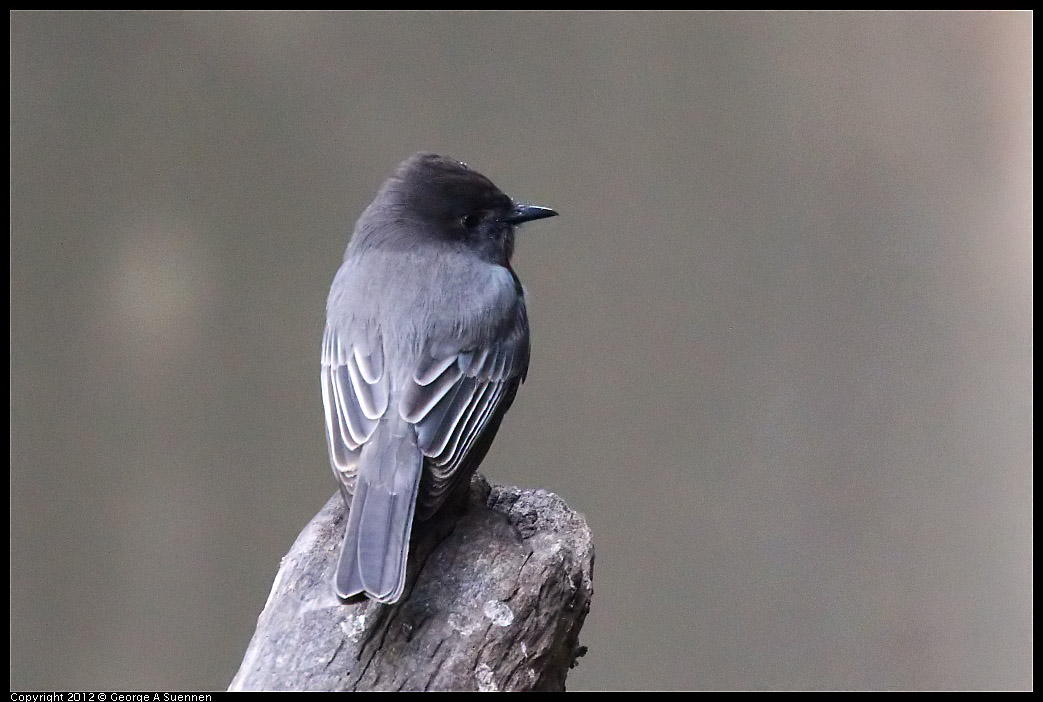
425, 345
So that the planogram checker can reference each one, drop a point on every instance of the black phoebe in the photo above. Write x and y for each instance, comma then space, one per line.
426, 343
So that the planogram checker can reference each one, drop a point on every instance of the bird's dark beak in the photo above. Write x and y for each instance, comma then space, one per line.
527, 213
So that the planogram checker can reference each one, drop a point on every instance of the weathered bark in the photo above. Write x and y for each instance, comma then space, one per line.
495, 599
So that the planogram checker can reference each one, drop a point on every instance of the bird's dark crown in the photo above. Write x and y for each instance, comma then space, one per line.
442, 189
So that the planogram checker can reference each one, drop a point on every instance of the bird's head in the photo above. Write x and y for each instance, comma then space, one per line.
446, 200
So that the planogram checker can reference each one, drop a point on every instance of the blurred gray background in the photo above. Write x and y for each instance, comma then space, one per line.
782, 331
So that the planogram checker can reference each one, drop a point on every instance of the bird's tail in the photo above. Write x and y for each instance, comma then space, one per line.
376, 545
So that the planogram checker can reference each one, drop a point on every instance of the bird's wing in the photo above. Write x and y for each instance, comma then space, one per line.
455, 400
355, 392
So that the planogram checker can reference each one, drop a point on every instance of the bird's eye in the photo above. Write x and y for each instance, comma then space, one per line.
471, 221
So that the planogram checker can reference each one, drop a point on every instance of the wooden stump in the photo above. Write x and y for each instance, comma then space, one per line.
495, 599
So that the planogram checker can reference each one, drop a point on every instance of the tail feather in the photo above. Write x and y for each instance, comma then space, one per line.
348, 580
376, 542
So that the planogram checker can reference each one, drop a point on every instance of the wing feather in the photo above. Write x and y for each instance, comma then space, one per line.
419, 400
371, 365
355, 395
372, 396
431, 368
447, 452
453, 408
435, 433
